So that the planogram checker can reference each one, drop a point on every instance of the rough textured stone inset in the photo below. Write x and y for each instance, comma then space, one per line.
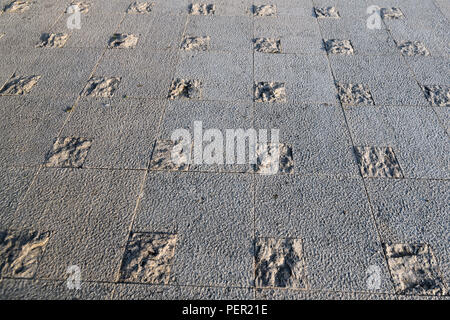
83, 7
171, 156
327, 12
391, 13
378, 162
20, 252
414, 269
17, 6
53, 40
185, 89
270, 92
195, 43
354, 94
101, 87
343, 47
267, 45
279, 263
122, 41
272, 158
437, 96
413, 48
19, 85
140, 7
202, 9
68, 152
264, 10
148, 258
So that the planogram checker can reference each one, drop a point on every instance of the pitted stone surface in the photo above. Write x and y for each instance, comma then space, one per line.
326, 12
20, 252
123, 41
438, 96
140, 7
83, 6
171, 156
279, 263
342, 47
195, 43
17, 6
148, 258
264, 10
19, 85
202, 9
53, 40
378, 162
101, 87
68, 152
391, 13
413, 48
270, 92
267, 45
185, 89
414, 269
274, 158
354, 94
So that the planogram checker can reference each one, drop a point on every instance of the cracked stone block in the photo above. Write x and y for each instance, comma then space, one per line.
171, 156
391, 13
414, 269
20, 252
140, 7
195, 43
101, 87
279, 263
354, 94
53, 40
83, 7
327, 12
264, 10
68, 152
202, 9
185, 89
378, 162
267, 45
19, 85
272, 158
1, 35
122, 41
17, 6
148, 258
413, 48
270, 92
342, 47
437, 96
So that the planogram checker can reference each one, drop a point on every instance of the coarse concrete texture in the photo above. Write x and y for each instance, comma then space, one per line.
103, 196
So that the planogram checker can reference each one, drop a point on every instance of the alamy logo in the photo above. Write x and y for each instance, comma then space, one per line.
74, 280
374, 20
74, 20
373, 280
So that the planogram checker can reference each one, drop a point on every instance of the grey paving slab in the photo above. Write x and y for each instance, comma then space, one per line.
328, 214
72, 203
444, 7
413, 211
297, 35
307, 79
430, 70
123, 131
235, 70
399, 87
142, 73
226, 33
159, 292
217, 251
317, 133
29, 126
18, 289
444, 117
420, 143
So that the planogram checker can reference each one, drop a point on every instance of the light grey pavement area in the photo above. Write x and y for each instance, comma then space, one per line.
92, 208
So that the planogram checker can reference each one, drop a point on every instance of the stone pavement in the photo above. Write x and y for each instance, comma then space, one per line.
90, 95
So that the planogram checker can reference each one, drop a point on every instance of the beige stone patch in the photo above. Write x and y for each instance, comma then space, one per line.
83, 6
123, 41
326, 12
101, 87
270, 92
68, 152
185, 89
53, 40
195, 43
267, 45
17, 6
437, 96
171, 156
202, 9
354, 94
391, 13
140, 7
274, 158
148, 258
378, 162
342, 47
267, 10
19, 85
413, 48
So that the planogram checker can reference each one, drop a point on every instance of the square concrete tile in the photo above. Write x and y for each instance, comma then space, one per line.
307, 79
420, 143
123, 131
88, 212
217, 251
332, 216
430, 70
